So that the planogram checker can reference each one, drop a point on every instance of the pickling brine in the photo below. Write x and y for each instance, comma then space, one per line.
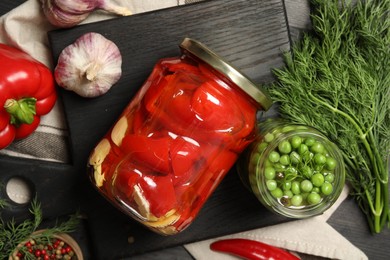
177, 139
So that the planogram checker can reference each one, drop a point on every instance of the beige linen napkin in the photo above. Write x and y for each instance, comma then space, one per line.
313, 236
26, 28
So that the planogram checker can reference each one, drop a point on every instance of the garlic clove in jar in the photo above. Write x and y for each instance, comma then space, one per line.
89, 66
68, 13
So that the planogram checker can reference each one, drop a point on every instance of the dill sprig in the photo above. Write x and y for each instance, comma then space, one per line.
12, 233
336, 79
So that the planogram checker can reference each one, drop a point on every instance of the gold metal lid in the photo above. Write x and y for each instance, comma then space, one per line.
202, 52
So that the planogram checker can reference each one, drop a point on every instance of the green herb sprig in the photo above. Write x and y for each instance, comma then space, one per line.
336, 79
12, 233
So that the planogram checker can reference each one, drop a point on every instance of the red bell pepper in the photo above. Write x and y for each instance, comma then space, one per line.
184, 155
153, 152
251, 249
152, 188
27, 91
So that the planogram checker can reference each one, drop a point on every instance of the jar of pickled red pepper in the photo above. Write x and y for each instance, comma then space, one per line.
175, 141
294, 170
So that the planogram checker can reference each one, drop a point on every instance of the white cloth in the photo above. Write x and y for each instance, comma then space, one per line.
312, 236
26, 28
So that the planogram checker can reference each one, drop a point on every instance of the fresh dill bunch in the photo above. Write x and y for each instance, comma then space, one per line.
336, 79
12, 233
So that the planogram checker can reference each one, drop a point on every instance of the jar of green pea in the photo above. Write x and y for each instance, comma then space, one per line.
294, 170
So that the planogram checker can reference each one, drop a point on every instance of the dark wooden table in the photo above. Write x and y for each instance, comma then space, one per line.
348, 219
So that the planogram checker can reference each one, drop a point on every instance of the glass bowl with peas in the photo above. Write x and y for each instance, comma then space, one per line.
294, 170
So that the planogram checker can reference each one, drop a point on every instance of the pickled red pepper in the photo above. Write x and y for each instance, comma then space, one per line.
160, 163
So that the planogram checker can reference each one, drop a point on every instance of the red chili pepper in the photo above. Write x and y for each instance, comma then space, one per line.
27, 91
251, 249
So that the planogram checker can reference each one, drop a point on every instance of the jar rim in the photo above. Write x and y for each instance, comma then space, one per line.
201, 51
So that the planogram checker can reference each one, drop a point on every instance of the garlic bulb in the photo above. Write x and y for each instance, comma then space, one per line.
68, 13
89, 66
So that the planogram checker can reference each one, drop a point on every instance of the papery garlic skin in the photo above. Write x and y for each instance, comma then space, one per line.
89, 66
68, 13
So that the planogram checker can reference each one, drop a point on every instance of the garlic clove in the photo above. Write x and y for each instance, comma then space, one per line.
73, 6
68, 13
119, 10
62, 18
119, 131
97, 158
89, 66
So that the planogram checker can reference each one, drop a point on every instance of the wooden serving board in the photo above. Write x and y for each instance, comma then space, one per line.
250, 34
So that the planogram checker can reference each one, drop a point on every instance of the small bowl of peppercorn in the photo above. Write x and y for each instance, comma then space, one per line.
294, 170
53, 246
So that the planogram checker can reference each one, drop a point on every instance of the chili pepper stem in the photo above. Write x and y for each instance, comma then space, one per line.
22, 111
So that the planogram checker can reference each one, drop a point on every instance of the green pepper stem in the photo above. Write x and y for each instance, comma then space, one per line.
22, 111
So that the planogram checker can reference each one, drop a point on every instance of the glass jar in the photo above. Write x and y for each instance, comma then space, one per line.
175, 141
293, 170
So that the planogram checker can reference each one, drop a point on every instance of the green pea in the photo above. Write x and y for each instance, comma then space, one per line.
316, 189
267, 163
296, 187
306, 186
271, 185
310, 141
255, 157
297, 200
329, 177
317, 179
302, 149
313, 198
317, 147
304, 195
284, 147
326, 152
269, 173
277, 193
331, 163
327, 188
288, 194
287, 185
284, 159
319, 159
261, 147
296, 141
274, 156
269, 137
295, 158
